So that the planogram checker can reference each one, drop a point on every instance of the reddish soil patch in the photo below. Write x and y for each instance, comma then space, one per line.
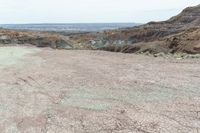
95, 91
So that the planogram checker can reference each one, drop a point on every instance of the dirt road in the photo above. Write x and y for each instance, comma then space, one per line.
59, 91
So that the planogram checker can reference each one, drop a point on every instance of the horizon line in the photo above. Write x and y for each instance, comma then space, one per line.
71, 23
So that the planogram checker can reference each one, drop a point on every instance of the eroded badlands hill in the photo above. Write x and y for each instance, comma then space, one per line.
178, 34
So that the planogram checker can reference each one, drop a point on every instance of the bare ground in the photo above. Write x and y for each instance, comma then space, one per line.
60, 91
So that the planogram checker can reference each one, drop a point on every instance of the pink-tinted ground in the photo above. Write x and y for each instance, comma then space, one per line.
59, 91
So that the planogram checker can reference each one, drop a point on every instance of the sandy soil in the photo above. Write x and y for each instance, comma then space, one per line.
59, 91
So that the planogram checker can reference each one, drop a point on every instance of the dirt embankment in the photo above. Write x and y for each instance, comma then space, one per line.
39, 39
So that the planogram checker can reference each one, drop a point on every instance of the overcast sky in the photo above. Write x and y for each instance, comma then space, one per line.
82, 11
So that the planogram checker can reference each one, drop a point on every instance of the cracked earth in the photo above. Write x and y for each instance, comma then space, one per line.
72, 91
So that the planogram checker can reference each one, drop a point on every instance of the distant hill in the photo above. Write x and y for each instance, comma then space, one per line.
69, 26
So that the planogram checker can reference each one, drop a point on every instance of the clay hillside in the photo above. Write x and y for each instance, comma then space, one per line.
178, 34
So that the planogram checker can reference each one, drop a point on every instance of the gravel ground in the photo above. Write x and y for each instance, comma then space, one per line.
65, 91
